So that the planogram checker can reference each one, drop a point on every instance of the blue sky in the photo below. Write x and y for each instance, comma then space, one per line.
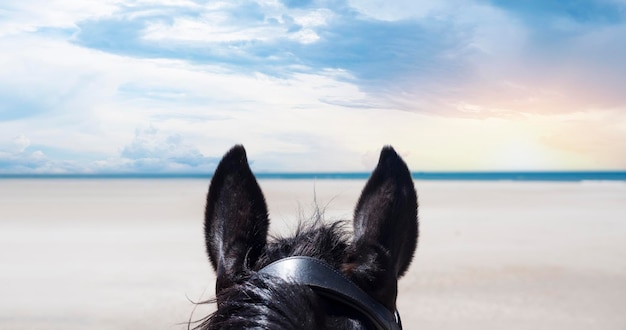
169, 86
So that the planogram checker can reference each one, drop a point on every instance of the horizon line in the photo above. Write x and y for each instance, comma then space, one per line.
527, 175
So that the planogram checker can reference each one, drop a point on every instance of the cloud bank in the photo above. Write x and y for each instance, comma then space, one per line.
168, 86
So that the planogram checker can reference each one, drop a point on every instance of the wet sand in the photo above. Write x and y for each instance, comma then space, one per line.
129, 254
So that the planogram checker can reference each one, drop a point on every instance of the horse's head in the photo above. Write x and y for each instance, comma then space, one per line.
331, 278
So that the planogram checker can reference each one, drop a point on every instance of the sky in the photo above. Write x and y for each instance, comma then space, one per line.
139, 86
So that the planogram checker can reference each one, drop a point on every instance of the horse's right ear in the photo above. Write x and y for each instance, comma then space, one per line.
385, 229
236, 221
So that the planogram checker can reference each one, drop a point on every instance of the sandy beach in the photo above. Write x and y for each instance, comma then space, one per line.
129, 254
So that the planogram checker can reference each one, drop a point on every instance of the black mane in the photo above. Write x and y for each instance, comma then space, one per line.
317, 239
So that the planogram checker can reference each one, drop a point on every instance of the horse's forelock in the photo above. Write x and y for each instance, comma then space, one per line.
260, 301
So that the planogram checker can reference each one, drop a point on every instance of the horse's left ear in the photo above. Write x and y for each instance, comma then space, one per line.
236, 221
385, 229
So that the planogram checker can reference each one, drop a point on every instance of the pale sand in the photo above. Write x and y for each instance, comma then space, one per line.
101, 254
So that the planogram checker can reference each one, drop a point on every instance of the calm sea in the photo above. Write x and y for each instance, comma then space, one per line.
476, 176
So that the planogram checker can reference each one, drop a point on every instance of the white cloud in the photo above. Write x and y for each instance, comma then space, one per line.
207, 29
403, 9
216, 25
152, 150
20, 157
21, 143
28, 16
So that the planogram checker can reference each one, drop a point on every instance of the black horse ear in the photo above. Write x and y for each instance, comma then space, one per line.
385, 229
236, 220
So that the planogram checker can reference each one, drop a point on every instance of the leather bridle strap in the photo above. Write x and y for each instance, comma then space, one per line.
325, 280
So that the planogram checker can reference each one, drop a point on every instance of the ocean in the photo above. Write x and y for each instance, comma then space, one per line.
445, 176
